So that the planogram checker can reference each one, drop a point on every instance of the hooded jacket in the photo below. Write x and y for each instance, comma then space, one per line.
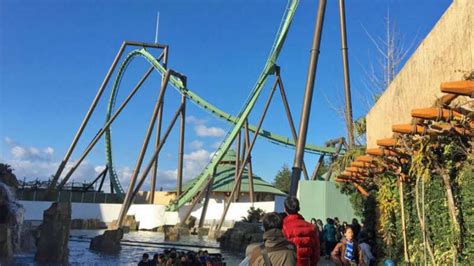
280, 251
305, 238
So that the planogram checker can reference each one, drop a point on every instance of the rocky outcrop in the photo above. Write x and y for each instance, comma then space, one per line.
54, 233
29, 237
129, 224
87, 224
190, 222
109, 242
11, 213
172, 233
242, 234
7, 177
6, 249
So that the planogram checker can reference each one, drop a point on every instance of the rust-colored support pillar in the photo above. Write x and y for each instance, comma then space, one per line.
249, 163
126, 204
179, 180
158, 135
237, 166
129, 196
86, 118
247, 155
314, 176
206, 200
104, 128
345, 65
289, 117
198, 197
308, 97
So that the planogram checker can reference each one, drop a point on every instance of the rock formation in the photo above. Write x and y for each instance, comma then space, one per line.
172, 233
109, 242
54, 233
87, 224
242, 234
11, 213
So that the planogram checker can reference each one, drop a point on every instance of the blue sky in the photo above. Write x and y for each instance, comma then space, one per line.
54, 55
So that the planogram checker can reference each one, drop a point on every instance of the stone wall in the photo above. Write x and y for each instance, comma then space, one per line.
446, 54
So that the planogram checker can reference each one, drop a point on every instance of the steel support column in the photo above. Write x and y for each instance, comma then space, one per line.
86, 118
247, 155
158, 135
198, 197
318, 166
104, 128
206, 200
237, 164
333, 157
308, 97
150, 165
345, 65
179, 178
144, 147
290, 118
102, 174
249, 163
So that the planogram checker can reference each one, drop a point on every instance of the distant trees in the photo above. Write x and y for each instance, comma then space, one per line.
283, 179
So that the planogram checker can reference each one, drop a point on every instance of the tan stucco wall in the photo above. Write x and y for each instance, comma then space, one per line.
444, 55
161, 197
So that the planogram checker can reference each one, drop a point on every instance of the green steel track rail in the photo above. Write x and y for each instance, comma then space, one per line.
238, 121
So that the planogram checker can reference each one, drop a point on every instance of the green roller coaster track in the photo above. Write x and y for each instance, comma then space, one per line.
238, 121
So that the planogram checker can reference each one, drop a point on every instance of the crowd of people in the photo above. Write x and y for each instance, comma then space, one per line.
172, 257
334, 236
334, 232
289, 240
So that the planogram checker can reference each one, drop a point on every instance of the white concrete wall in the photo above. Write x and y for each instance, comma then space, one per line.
149, 216
236, 210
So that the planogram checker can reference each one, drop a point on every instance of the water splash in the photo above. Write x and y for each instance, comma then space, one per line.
14, 216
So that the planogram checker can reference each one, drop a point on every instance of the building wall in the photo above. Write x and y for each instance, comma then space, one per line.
446, 54
322, 199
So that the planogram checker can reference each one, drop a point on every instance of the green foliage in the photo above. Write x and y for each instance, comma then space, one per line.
436, 164
283, 179
465, 182
389, 210
5, 169
253, 215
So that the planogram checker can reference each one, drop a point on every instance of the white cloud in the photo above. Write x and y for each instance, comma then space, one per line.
29, 153
202, 130
33, 162
194, 120
216, 144
196, 144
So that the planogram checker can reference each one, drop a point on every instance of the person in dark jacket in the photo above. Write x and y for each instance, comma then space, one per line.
356, 228
145, 260
347, 252
276, 249
330, 236
300, 233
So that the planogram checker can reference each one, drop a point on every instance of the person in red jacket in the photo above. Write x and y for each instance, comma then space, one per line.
301, 233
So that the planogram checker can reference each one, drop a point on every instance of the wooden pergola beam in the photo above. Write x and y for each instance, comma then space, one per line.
381, 152
434, 113
463, 87
391, 142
